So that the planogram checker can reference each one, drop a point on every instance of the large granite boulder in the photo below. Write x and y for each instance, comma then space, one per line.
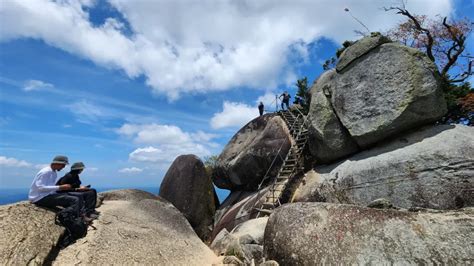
28, 234
431, 168
328, 139
359, 48
379, 90
188, 186
147, 231
249, 154
323, 233
388, 90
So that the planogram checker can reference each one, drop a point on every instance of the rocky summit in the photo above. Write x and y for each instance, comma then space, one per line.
366, 176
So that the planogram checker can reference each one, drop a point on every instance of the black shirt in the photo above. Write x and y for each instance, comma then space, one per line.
71, 178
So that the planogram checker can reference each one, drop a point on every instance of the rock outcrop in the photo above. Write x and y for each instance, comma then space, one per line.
328, 139
388, 90
239, 207
249, 154
188, 186
28, 234
360, 48
431, 168
245, 241
138, 232
323, 233
379, 90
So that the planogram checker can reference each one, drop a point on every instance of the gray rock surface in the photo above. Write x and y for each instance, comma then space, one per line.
328, 139
386, 91
323, 233
248, 155
189, 188
431, 168
28, 234
126, 194
360, 48
150, 230
239, 207
245, 241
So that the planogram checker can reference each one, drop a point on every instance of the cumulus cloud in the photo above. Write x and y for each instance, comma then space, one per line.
199, 46
36, 85
233, 115
166, 142
132, 170
13, 162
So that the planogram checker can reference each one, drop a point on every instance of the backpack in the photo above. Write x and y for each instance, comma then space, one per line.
76, 227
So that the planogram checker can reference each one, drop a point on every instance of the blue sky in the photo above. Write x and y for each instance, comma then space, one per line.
126, 86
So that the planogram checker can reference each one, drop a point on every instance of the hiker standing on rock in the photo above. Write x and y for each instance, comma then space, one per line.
43, 191
87, 194
260, 108
286, 100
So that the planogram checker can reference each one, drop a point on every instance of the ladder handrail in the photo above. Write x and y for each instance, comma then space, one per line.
297, 157
296, 135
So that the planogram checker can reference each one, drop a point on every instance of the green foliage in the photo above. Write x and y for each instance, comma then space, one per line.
345, 45
303, 93
459, 101
210, 162
331, 62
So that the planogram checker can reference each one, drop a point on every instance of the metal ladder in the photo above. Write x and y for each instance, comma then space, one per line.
292, 164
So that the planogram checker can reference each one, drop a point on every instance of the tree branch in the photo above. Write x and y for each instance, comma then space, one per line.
457, 46
429, 45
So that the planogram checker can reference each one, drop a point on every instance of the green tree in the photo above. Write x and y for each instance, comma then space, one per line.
210, 162
303, 93
444, 42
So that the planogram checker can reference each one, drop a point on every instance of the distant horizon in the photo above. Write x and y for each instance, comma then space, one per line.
21, 194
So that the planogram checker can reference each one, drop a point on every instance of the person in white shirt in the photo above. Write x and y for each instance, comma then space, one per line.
43, 191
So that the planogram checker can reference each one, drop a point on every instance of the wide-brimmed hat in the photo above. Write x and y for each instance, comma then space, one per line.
78, 166
61, 159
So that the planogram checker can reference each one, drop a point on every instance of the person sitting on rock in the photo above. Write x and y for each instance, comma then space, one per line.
88, 195
43, 191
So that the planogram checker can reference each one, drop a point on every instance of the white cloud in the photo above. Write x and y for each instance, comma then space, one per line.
13, 162
268, 100
199, 46
166, 142
36, 85
131, 170
233, 115
41, 166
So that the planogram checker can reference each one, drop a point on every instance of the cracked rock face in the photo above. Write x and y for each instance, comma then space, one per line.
28, 234
249, 154
432, 168
324, 233
138, 231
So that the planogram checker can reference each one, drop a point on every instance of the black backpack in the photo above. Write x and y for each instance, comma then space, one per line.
76, 227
